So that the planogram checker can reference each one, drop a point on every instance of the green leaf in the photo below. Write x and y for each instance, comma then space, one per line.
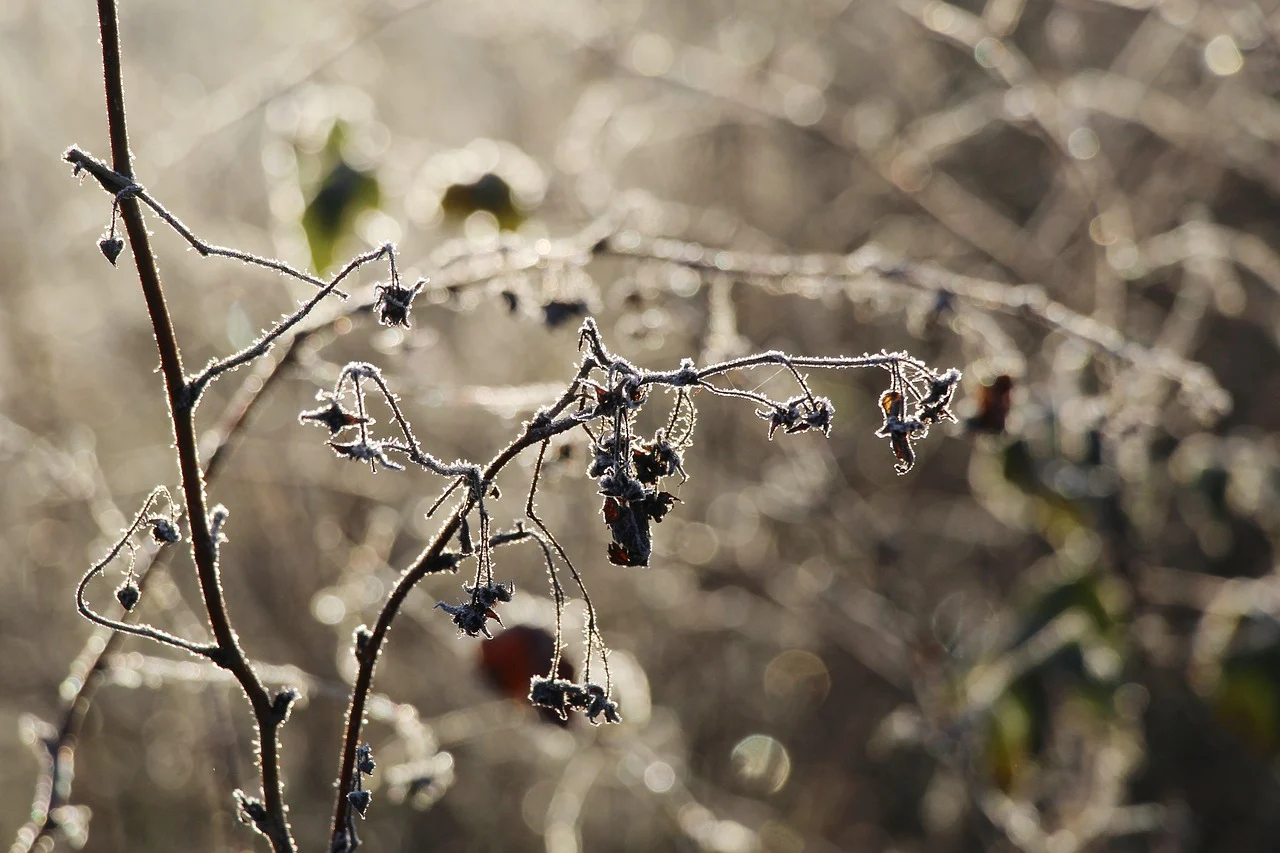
335, 202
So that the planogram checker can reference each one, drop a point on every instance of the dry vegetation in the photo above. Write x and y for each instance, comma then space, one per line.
1059, 632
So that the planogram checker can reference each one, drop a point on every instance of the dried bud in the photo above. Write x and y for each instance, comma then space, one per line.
128, 594
362, 637
111, 247
394, 302
597, 704
332, 415
471, 616
359, 801
491, 593
250, 809
283, 701
561, 695
899, 429
364, 759
554, 694
464, 536
656, 459
800, 414
373, 452
934, 407
163, 530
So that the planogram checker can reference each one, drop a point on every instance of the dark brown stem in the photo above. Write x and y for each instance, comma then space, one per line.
182, 415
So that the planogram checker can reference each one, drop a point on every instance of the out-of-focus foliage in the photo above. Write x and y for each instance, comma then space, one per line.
1057, 633
338, 196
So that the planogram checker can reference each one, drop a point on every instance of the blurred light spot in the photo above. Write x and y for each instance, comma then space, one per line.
910, 171
387, 340
561, 838
633, 127
804, 105
344, 662
779, 838
1019, 102
327, 534
328, 609
377, 228
694, 819
1065, 31
870, 124
1082, 547
989, 52
729, 836
1102, 661
48, 542
651, 55
372, 589
735, 516
1222, 57
481, 225
697, 543
951, 620
1179, 13
747, 41
1102, 229
1123, 256
659, 777
69, 687
797, 676
240, 331
1131, 700
1229, 298
762, 763
169, 768
169, 756
724, 836
684, 282
939, 17
630, 768
944, 802
655, 318
632, 686
669, 586
1021, 827
1083, 143
728, 608
533, 808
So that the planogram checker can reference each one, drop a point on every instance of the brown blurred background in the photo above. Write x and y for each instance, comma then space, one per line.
1058, 633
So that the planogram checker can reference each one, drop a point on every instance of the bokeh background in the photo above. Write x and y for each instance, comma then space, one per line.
1058, 633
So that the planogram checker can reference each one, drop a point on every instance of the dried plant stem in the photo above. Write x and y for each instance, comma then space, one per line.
545, 425
229, 654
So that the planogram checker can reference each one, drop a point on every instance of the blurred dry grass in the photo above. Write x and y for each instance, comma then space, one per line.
1064, 637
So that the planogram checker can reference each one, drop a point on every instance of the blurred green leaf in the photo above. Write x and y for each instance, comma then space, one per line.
1246, 700
335, 202
489, 193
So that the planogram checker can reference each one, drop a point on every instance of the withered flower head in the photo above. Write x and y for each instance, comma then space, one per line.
394, 302
899, 429
332, 415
